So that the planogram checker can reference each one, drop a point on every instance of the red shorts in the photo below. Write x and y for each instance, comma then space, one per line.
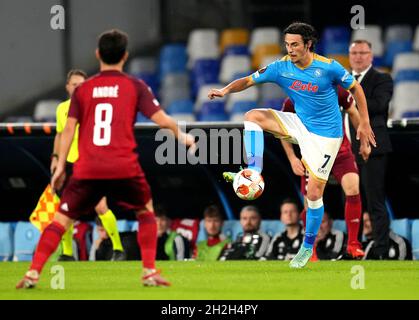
344, 163
80, 196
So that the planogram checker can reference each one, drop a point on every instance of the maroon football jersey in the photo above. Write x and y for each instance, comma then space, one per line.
106, 107
345, 100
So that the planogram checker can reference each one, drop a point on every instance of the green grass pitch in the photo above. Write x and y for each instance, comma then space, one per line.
250, 280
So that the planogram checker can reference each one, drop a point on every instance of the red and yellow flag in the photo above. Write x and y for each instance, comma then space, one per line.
45, 210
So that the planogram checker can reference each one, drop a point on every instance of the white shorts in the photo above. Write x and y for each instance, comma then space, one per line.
318, 153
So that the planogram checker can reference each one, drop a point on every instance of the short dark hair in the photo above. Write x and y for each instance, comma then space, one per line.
112, 46
359, 41
250, 208
213, 211
306, 31
291, 201
75, 72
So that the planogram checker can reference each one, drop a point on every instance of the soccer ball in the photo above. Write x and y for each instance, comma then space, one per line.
248, 184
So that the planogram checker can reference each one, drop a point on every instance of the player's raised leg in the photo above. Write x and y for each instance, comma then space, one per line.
47, 245
256, 121
147, 241
314, 218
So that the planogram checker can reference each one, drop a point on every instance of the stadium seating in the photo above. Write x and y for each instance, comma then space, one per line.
272, 227
181, 110
45, 110
397, 32
394, 48
233, 37
204, 71
232, 65
343, 59
203, 95
173, 59
264, 50
6, 241
335, 40
140, 65
25, 240
212, 111
405, 61
402, 227
202, 44
236, 50
232, 229
175, 87
405, 98
373, 34
416, 39
263, 36
415, 239
249, 95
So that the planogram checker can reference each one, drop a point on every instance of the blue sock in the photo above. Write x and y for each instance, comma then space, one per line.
254, 144
313, 221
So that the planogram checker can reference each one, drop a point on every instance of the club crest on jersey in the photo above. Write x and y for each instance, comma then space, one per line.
318, 73
300, 86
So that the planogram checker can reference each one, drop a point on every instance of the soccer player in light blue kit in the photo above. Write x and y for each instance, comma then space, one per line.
311, 82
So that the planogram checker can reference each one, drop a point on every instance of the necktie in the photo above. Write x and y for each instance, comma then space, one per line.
357, 76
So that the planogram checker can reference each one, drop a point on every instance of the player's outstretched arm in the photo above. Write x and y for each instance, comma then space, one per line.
364, 131
296, 164
65, 143
163, 120
235, 86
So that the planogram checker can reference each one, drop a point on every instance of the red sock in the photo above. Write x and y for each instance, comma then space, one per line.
303, 217
47, 245
353, 209
147, 238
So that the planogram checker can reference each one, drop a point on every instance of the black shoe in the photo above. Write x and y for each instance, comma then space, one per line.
64, 257
118, 255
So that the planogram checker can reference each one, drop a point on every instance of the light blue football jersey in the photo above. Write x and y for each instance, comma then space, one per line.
313, 90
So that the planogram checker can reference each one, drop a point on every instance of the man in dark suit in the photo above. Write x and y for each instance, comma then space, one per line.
378, 88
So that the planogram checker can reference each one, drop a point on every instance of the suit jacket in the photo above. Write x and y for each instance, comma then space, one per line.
378, 89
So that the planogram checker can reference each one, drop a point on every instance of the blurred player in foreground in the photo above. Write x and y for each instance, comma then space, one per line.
310, 81
106, 106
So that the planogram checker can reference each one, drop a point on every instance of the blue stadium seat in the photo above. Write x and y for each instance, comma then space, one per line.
407, 75
232, 229
410, 114
243, 106
395, 47
151, 80
339, 224
335, 40
181, 106
415, 239
173, 59
236, 50
204, 71
6, 241
25, 240
142, 118
402, 228
272, 227
212, 111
